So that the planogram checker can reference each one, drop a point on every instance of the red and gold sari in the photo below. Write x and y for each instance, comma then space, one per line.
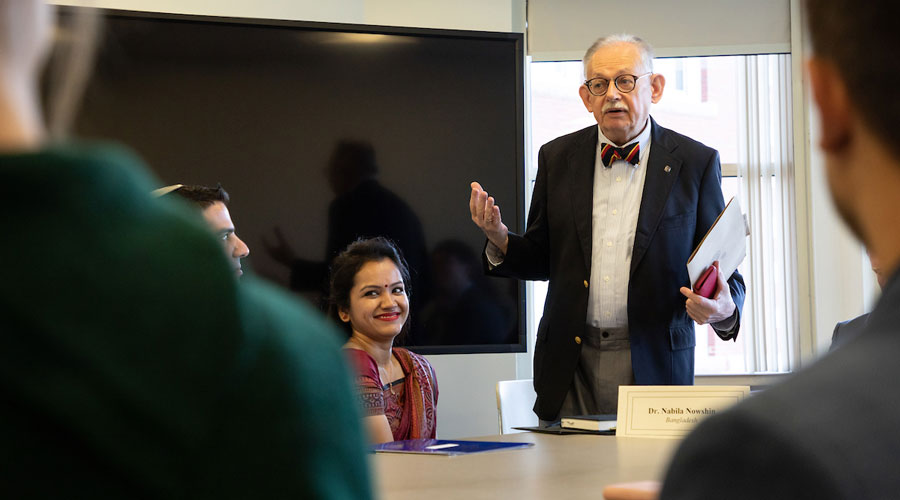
409, 403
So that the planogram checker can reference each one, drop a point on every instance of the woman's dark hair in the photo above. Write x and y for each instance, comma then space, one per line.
350, 261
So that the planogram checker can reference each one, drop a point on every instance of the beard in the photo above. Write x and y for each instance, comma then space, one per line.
844, 206
850, 220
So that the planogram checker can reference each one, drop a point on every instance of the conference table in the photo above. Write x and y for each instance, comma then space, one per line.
556, 467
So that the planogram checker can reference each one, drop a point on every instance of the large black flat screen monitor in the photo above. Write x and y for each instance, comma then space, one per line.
283, 114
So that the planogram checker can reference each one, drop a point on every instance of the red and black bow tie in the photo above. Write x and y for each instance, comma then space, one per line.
630, 153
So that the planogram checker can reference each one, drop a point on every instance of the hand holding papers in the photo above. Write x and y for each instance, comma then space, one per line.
724, 242
714, 260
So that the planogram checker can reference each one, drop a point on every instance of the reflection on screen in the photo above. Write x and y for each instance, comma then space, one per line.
328, 136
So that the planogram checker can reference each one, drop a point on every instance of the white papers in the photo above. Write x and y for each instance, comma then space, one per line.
724, 242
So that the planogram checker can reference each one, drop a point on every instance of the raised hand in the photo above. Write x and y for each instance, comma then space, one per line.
486, 215
280, 250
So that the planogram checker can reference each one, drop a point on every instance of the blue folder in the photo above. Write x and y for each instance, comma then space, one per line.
445, 446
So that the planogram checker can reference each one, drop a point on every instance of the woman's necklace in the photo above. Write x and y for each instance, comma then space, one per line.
390, 373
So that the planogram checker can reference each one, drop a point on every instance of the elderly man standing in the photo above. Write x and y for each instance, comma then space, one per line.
617, 210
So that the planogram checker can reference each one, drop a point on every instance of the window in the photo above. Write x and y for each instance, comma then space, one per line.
739, 105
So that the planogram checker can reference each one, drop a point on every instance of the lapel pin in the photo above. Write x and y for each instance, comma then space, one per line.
668, 169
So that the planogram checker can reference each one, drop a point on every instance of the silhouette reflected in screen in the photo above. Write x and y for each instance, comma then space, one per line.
361, 208
465, 308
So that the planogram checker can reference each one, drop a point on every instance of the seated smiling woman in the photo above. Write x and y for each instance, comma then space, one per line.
397, 388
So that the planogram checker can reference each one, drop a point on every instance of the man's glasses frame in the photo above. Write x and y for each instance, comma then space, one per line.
624, 83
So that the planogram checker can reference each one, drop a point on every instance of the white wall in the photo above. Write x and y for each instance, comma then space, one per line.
467, 403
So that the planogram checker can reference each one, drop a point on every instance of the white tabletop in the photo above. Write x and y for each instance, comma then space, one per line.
557, 467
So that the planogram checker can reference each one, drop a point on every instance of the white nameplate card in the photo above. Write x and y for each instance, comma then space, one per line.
671, 411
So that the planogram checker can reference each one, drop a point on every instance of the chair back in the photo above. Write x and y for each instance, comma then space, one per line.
515, 400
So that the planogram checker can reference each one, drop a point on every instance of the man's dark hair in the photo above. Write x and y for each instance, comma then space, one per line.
203, 196
861, 39
350, 261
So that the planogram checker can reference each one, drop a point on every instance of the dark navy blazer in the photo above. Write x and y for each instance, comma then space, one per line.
681, 199
846, 330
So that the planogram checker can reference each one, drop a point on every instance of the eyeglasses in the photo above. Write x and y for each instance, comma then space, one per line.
625, 83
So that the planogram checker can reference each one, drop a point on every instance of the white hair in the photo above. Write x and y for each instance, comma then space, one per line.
643, 47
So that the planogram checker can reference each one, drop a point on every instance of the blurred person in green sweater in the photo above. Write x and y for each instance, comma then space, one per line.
132, 365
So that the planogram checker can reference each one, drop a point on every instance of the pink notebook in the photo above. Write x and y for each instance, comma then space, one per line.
706, 284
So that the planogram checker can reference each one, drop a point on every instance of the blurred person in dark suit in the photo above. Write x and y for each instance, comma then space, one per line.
846, 330
830, 431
